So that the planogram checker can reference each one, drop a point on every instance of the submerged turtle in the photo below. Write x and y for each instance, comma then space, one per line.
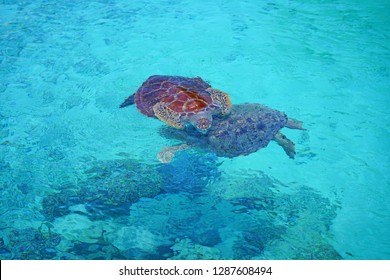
248, 128
178, 100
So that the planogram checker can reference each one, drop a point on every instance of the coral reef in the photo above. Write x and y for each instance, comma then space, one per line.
185, 249
109, 190
29, 243
189, 209
112, 186
292, 222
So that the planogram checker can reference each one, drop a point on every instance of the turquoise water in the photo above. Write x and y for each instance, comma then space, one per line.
80, 178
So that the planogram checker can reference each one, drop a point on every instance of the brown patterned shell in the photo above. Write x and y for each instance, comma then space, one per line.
185, 96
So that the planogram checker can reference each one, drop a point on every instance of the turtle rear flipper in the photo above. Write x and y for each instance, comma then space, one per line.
168, 152
287, 145
294, 124
129, 101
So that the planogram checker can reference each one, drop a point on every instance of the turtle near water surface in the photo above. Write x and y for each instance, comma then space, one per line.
248, 128
178, 100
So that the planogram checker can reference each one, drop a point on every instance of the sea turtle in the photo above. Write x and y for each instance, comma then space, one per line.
248, 128
178, 100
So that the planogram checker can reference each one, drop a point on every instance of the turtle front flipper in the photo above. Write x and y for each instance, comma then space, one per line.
221, 100
167, 115
287, 145
168, 152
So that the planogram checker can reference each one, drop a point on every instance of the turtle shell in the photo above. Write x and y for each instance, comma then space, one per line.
248, 128
186, 96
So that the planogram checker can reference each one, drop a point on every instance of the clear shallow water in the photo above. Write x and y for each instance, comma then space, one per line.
80, 178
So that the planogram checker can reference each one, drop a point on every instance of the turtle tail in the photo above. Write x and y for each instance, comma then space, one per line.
129, 101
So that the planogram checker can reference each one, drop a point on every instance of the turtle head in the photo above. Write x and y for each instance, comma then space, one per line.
202, 121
